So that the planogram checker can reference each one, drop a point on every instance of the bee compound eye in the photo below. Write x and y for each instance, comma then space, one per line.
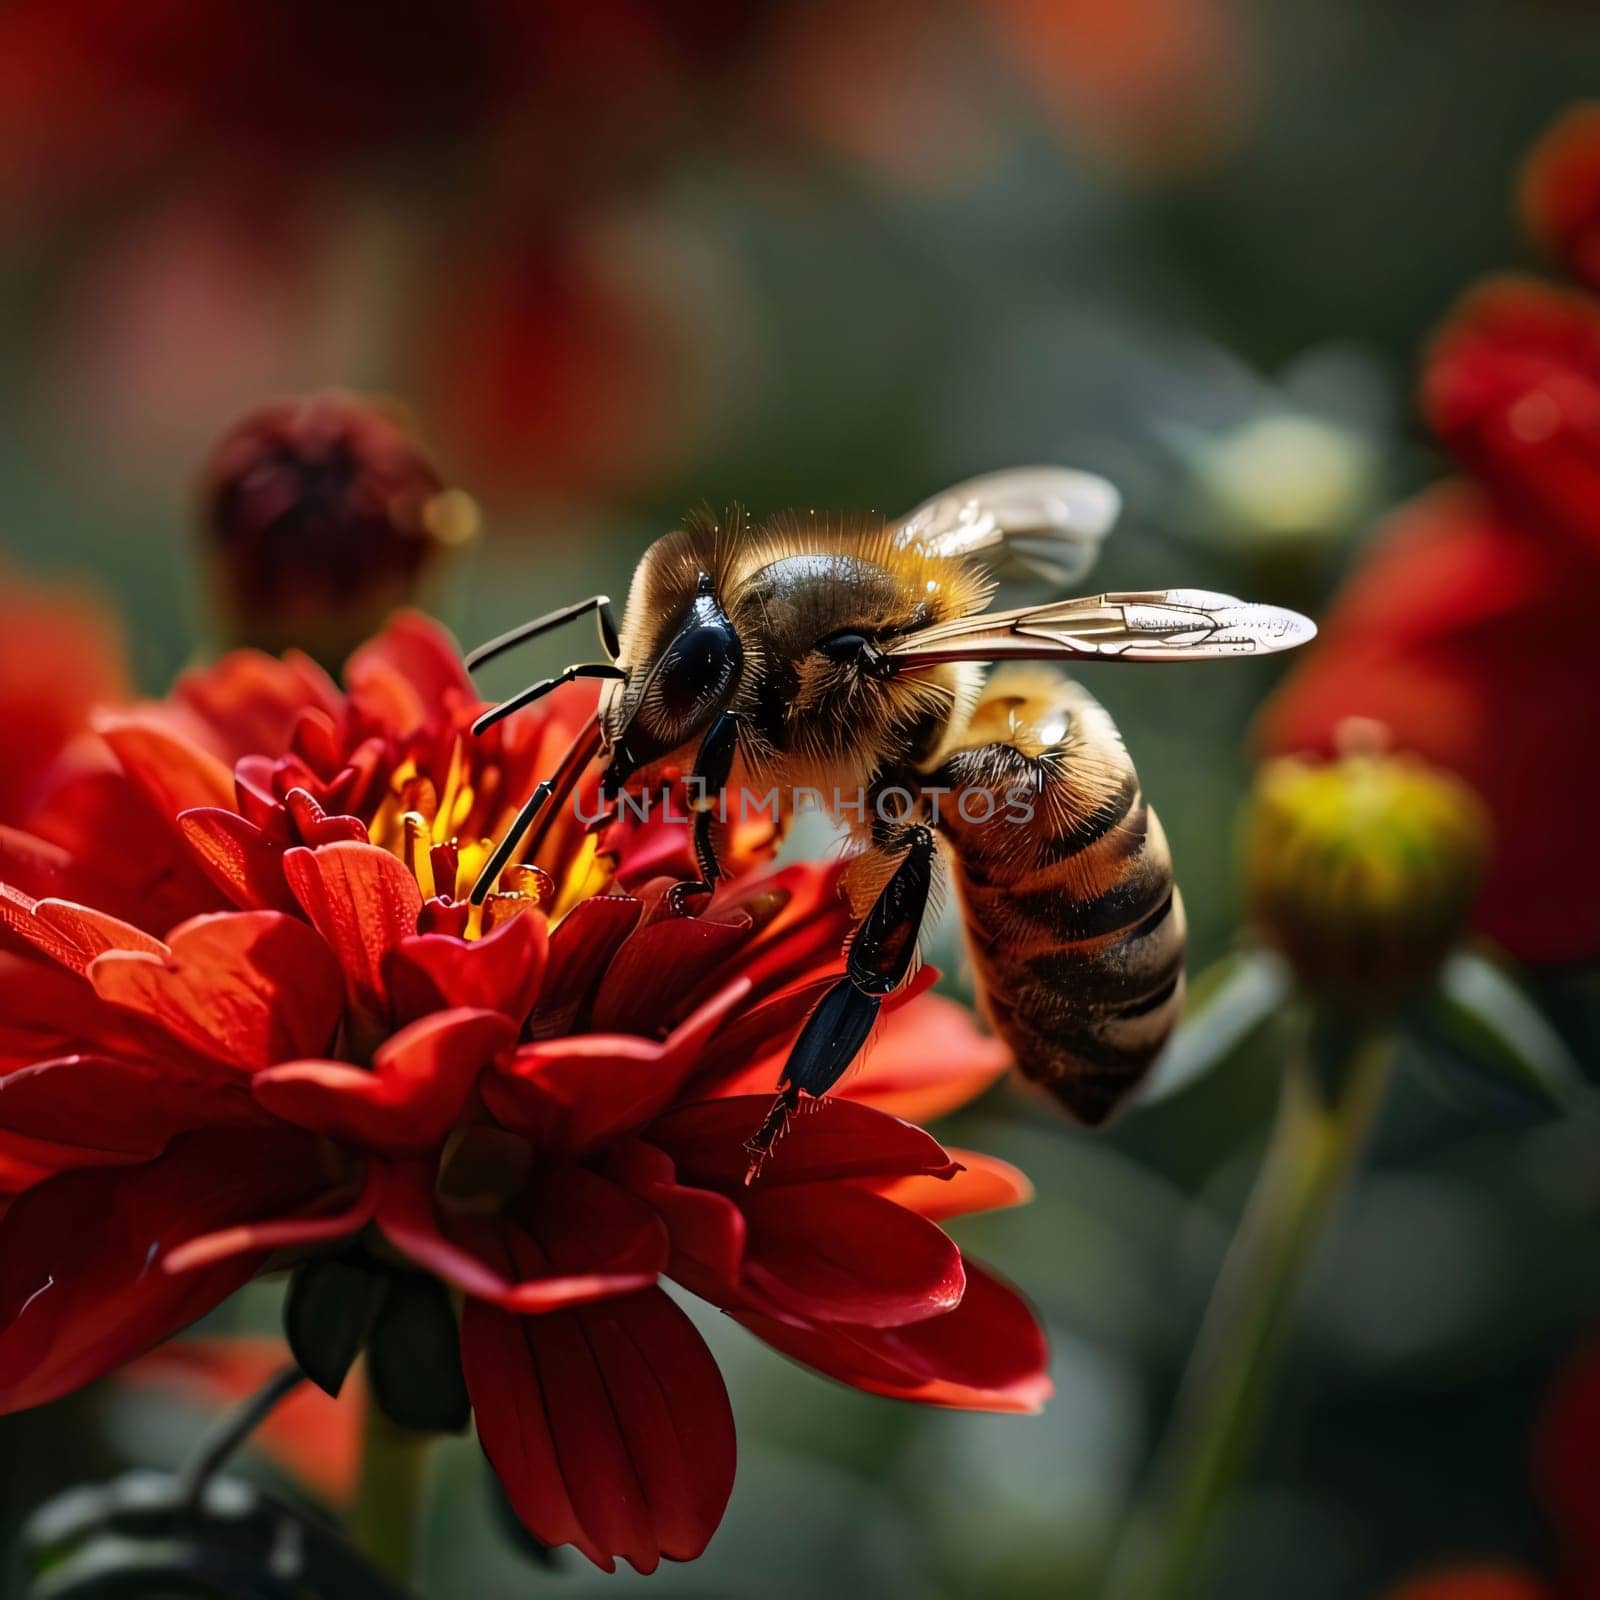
699, 667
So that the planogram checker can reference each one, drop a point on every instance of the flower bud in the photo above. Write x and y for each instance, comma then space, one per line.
1362, 871
321, 515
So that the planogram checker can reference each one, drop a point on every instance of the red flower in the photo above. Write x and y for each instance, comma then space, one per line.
1512, 386
1466, 632
1468, 639
1567, 1474
59, 657
1561, 193
278, 1028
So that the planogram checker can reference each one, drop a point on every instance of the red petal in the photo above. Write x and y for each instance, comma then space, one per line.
419, 1080
649, 980
116, 1110
581, 944
18, 913
570, 1093
248, 987
23, 1163
408, 675
238, 857
826, 1140
46, 1011
927, 1059
579, 1221
78, 1290
94, 932
262, 1236
363, 901
620, 1251
500, 972
609, 1426
249, 702
31, 864
986, 1355
984, 1183
174, 774
126, 857
808, 934
831, 1253
315, 826
706, 1229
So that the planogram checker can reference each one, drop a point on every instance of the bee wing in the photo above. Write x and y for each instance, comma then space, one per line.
1152, 625
1048, 519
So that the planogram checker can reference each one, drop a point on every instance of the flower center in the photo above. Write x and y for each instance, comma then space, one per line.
480, 1169
445, 834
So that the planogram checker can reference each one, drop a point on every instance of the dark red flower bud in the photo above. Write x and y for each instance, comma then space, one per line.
322, 515
1560, 194
1512, 386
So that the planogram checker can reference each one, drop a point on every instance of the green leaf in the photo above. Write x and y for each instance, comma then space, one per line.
330, 1310
414, 1357
1228, 1005
1492, 1041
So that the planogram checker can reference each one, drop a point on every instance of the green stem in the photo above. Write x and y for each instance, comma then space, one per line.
387, 1512
1330, 1098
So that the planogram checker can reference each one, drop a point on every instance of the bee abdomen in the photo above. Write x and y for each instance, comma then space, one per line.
1075, 926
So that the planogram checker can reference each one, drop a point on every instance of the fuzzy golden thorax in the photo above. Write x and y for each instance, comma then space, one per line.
786, 586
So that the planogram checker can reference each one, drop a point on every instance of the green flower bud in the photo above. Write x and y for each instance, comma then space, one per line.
1362, 872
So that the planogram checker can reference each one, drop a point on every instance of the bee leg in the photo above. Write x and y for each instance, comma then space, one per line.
537, 691
598, 603
503, 851
713, 766
879, 959
537, 809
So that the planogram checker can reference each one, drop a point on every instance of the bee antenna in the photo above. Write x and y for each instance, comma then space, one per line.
600, 604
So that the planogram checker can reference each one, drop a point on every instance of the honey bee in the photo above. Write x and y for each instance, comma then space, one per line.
842, 657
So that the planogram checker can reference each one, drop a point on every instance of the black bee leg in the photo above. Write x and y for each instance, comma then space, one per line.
598, 603
503, 851
537, 691
713, 766
878, 961
537, 812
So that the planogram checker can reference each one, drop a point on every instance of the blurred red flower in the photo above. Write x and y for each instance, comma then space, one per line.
1466, 631
1486, 1582
1512, 387
312, 1435
283, 1028
245, 161
1561, 193
1567, 1475
60, 656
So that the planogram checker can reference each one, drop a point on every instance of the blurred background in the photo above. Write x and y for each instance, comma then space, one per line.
612, 260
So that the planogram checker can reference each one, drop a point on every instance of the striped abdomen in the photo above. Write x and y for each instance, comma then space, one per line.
1075, 927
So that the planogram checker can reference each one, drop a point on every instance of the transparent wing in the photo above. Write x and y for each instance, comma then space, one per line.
1048, 519
1152, 625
